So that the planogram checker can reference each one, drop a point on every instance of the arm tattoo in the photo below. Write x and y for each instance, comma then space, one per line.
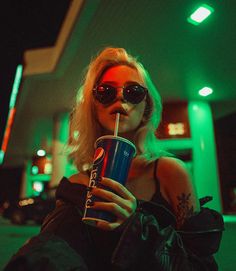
184, 209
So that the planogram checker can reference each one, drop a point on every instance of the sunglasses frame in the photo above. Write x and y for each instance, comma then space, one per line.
125, 90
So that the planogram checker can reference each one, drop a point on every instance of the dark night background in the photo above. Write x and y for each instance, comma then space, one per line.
25, 24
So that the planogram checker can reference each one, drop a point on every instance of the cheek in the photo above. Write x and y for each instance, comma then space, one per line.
100, 113
98, 109
138, 113
141, 109
97, 113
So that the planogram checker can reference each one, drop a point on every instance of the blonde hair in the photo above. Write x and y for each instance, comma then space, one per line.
84, 123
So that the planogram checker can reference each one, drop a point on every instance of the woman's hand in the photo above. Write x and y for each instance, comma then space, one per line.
122, 204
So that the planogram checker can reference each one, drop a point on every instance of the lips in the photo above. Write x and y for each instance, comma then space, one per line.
120, 110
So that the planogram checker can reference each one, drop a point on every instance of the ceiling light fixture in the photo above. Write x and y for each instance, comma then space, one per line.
200, 14
205, 91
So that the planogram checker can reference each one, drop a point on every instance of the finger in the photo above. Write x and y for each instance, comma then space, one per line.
117, 187
112, 208
130, 205
107, 226
110, 197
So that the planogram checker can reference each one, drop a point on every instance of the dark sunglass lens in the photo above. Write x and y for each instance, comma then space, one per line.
105, 93
134, 93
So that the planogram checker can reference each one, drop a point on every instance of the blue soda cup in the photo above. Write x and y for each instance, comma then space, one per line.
112, 159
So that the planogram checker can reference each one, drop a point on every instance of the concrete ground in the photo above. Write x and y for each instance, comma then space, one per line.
13, 237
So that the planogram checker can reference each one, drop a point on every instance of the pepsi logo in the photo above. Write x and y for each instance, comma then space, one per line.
126, 153
98, 156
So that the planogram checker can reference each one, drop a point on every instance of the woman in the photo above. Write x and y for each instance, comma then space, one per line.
158, 201
114, 68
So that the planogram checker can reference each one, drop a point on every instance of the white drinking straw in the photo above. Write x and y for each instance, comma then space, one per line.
117, 124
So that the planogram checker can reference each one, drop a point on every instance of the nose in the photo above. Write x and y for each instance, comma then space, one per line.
120, 95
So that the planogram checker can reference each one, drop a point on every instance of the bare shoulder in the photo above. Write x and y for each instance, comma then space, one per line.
172, 168
80, 178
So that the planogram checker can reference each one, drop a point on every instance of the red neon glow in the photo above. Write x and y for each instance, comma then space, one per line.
7, 133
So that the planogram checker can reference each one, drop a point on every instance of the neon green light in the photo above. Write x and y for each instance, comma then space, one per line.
2, 153
229, 218
41, 152
16, 84
205, 91
34, 170
12, 110
199, 15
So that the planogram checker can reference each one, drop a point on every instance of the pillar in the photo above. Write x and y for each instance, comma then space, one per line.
26, 186
59, 152
205, 166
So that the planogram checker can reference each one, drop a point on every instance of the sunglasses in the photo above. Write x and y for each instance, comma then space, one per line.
107, 94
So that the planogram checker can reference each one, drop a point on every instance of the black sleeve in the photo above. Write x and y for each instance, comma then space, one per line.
66, 223
46, 252
59, 246
202, 232
163, 248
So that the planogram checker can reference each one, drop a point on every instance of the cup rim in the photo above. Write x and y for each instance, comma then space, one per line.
116, 137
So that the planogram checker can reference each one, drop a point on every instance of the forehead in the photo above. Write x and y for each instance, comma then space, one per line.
121, 74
